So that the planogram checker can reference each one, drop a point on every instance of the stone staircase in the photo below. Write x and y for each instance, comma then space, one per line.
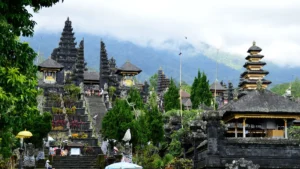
95, 107
74, 162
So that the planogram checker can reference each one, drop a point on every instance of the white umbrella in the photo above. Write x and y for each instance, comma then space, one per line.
50, 139
127, 136
123, 165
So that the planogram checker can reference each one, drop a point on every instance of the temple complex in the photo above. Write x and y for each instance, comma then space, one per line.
77, 98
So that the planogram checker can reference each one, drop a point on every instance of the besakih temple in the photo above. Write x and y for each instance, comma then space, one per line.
254, 70
77, 116
252, 126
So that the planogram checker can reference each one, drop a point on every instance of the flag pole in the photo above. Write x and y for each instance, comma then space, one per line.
215, 97
180, 87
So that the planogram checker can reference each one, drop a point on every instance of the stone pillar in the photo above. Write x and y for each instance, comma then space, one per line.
244, 128
285, 129
235, 130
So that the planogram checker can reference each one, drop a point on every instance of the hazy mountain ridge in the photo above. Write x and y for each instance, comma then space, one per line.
150, 59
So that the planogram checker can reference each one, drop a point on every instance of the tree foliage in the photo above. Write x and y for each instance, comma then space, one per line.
171, 97
18, 81
154, 121
281, 88
294, 132
186, 87
200, 93
117, 121
134, 96
153, 81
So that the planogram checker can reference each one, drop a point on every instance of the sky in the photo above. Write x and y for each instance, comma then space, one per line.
229, 26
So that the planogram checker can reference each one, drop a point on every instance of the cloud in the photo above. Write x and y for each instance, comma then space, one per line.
229, 25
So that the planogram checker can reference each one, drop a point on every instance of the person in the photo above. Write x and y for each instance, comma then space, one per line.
47, 165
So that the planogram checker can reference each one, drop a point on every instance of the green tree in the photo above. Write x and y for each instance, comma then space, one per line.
171, 97
294, 132
39, 132
153, 81
154, 120
200, 93
186, 87
18, 78
134, 96
117, 120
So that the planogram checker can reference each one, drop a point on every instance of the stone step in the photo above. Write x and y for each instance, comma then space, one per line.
74, 162
96, 107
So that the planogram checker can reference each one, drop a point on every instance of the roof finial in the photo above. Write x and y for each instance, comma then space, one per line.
68, 19
254, 43
160, 68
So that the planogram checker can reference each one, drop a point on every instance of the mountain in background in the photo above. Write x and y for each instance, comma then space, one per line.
150, 60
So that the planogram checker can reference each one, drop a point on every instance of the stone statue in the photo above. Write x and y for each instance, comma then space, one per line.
29, 160
105, 87
259, 85
127, 154
123, 94
242, 164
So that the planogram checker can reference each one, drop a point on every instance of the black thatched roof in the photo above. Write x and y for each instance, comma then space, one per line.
264, 101
254, 81
254, 56
254, 72
254, 63
216, 85
254, 48
50, 63
128, 67
91, 76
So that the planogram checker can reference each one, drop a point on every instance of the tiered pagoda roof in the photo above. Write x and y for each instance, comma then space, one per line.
79, 67
66, 53
254, 71
113, 78
162, 82
104, 66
